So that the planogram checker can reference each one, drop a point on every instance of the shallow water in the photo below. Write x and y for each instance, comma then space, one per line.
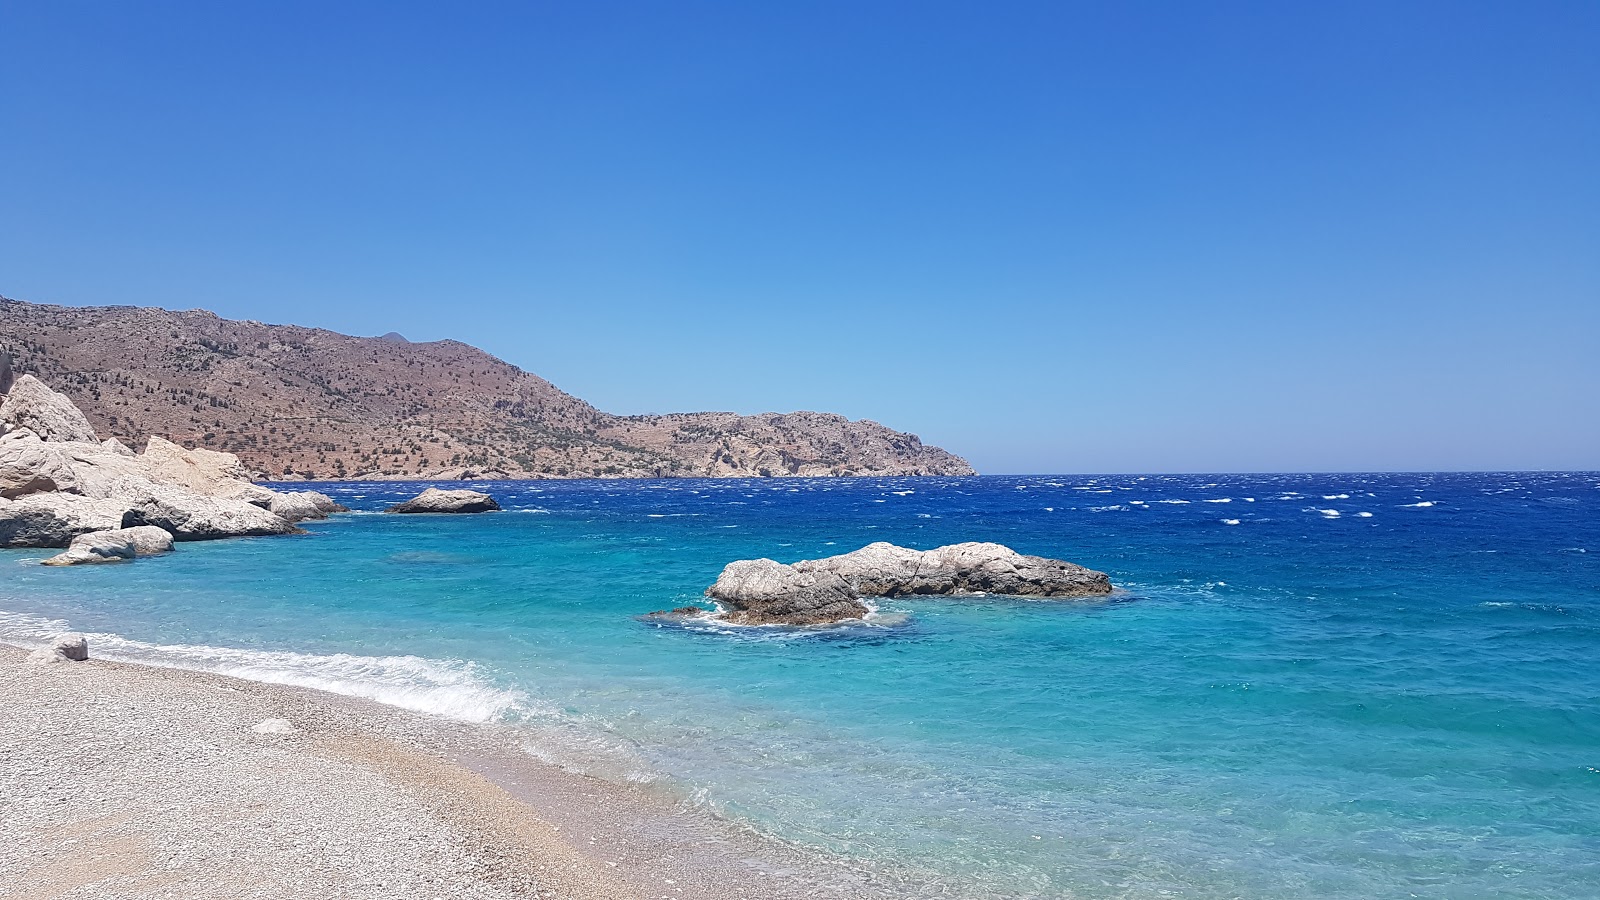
1331, 685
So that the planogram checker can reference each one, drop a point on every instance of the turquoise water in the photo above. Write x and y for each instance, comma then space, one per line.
1329, 685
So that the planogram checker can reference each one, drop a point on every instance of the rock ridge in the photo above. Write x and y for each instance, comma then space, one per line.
295, 403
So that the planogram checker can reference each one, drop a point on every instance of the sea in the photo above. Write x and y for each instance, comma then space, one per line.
1341, 686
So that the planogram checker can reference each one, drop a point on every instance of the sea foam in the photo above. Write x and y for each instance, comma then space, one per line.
453, 689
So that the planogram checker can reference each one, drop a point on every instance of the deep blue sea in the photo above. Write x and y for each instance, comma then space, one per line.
1347, 686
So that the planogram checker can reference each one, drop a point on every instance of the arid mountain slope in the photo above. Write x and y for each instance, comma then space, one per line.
298, 402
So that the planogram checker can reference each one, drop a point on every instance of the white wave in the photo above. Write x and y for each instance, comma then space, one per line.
1329, 513
1422, 505
1222, 500
1249, 499
1364, 515
1336, 496
902, 493
450, 688
1230, 521
1172, 501
1106, 508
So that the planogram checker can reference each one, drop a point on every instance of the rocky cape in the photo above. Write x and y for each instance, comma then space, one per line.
824, 591
302, 403
61, 486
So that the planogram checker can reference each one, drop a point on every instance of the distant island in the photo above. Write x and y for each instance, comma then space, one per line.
300, 403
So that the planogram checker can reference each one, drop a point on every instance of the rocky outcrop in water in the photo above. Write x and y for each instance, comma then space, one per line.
434, 500
821, 591
115, 545
61, 486
299, 506
764, 592
885, 570
192, 517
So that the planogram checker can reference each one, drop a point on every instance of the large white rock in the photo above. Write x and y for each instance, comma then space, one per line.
51, 416
885, 570
298, 506
191, 517
209, 473
764, 592
115, 545
54, 519
28, 465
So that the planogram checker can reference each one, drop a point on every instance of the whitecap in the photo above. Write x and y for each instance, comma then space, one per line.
1329, 513
1422, 505
451, 688
1336, 496
1364, 515
1222, 500
1230, 521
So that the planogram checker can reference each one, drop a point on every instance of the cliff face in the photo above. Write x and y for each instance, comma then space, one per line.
296, 402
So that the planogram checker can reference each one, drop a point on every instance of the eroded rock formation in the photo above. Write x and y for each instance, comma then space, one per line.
60, 486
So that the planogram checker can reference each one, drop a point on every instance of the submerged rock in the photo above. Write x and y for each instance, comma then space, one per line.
764, 592
820, 591
115, 545
434, 500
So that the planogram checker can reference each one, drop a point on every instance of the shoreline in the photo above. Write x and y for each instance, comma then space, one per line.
139, 780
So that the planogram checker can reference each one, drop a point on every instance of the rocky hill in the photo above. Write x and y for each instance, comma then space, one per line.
296, 402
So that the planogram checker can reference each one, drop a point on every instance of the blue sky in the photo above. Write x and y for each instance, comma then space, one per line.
1052, 237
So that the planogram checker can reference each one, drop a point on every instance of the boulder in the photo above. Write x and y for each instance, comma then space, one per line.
28, 465
209, 473
884, 570
434, 500
115, 545
54, 519
51, 416
190, 517
812, 592
69, 647
298, 506
764, 592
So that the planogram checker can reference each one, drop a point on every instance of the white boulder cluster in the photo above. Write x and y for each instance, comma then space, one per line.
822, 591
60, 486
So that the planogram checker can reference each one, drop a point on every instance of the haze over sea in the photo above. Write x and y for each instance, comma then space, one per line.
1336, 685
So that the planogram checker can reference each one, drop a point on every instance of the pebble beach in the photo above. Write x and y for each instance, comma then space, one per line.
121, 780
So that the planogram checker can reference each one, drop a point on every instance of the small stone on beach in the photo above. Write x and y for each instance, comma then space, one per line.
274, 726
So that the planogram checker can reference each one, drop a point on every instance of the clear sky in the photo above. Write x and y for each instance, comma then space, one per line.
1052, 237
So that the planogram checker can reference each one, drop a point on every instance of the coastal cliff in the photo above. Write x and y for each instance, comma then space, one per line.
303, 403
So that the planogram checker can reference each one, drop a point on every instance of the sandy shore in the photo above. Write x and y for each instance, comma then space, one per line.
120, 780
